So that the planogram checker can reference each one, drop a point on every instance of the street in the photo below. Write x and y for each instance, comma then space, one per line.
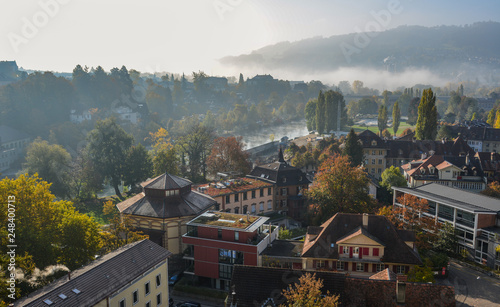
472, 288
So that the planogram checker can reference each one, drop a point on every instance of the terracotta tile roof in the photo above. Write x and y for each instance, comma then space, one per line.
101, 278
384, 275
342, 224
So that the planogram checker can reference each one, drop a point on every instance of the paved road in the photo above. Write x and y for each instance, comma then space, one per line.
472, 288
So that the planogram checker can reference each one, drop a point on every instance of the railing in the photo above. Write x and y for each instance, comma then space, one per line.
268, 239
465, 222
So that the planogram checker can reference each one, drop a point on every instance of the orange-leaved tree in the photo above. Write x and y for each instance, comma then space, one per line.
307, 293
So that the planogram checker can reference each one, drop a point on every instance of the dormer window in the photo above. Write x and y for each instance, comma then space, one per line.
374, 143
284, 179
171, 192
422, 170
431, 170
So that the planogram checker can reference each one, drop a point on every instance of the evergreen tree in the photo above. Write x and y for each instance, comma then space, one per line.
241, 81
427, 117
310, 114
353, 148
382, 118
320, 113
413, 110
396, 117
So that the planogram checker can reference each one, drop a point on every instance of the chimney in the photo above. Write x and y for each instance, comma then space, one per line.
400, 290
365, 220
69, 275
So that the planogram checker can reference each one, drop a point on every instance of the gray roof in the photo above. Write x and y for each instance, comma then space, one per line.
167, 182
191, 203
8, 134
100, 278
284, 248
455, 197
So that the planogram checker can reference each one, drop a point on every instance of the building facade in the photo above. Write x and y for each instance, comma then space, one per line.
289, 184
133, 275
475, 217
359, 244
241, 195
216, 241
164, 207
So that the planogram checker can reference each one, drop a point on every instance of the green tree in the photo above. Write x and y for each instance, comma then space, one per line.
321, 113
390, 177
195, 144
382, 119
334, 101
339, 187
396, 118
497, 120
491, 117
310, 114
427, 117
353, 149
421, 274
492, 190
138, 165
413, 104
52, 164
446, 240
307, 293
107, 148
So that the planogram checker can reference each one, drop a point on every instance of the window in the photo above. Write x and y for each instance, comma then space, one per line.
400, 269
245, 196
261, 192
236, 197
225, 271
375, 252
355, 250
146, 288
320, 264
171, 192
380, 152
237, 210
228, 200
148, 304
283, 203
158, 299
236, 236
269, 205
122, 303
373, 171
373, 151
245, 209
373, 161
284, 179
284, 191
253, 208
227, 256
360, 267
261, 206
340, 265
379, 161
253, 194
158, 280
380, 267
135, 296
346, 249
269, 191
219, 233
379, 171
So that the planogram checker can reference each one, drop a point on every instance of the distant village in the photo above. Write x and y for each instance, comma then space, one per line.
243, 235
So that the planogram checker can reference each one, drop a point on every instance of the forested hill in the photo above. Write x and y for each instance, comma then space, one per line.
447, 49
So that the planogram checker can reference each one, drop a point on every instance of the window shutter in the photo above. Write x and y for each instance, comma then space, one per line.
374, 268
366, 251
314, 264
407, 268
360, 253
350, 252
340, 250
366, 267
375, 252
353, 267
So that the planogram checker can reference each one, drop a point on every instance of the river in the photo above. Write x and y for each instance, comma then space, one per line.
261, 136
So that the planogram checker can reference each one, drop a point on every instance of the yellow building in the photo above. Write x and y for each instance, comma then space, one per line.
164, 207
133, 275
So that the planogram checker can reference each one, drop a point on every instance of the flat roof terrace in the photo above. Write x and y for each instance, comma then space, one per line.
228, 220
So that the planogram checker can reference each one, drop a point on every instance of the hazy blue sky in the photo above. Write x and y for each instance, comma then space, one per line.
188, 35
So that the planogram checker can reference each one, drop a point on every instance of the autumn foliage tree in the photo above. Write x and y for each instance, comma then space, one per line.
339, 187
409, 216
307, 293
227, 155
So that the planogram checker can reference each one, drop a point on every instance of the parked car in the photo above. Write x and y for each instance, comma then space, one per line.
174, 279
189, 304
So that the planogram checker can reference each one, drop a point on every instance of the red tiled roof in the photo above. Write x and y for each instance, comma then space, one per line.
384, 275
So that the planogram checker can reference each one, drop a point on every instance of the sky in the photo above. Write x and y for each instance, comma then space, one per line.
191, 35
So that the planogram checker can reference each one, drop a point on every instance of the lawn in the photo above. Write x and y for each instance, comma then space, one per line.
402, 127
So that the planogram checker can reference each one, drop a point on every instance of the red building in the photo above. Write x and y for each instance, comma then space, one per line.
218, 240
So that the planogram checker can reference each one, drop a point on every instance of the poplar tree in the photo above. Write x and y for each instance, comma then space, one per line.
382, 119
320, 113
396, 117
427, 117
